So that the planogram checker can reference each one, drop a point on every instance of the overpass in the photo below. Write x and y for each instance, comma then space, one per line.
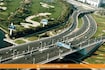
54, 53
7, 53
45, 50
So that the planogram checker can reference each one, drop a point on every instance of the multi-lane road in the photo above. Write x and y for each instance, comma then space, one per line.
38, 57
45, 50
7, 53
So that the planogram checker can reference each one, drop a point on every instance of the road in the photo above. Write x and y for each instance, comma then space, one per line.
47, 53
31, 53
10, 51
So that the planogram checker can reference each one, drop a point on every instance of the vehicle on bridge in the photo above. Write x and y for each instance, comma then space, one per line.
60, 44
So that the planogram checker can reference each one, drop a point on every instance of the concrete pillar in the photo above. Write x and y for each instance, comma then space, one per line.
83, 52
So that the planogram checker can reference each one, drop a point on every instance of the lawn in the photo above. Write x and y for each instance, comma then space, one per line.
20, 41
80, 22
11, 7
57, 11
35, 8
101, 25
98, 56
32, 38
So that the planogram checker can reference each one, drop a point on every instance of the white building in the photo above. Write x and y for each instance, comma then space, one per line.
95, 3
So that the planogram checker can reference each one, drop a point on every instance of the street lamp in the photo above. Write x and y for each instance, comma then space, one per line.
47, 56
32, 50
41, 46
0, 59
28, 48
33, 60
60, 51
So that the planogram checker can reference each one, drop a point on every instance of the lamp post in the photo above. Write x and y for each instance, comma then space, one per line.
41, 46
60, 51
0, 59
47, 56
33, 60
32, 50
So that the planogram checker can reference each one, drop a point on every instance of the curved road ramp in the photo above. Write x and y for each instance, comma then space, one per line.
48, 49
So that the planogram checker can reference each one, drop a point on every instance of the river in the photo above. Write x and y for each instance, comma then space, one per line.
3, 43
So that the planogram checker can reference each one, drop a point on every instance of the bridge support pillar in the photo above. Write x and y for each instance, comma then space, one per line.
83, 51
61, 58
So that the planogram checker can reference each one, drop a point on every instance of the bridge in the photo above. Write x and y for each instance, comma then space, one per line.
46, 49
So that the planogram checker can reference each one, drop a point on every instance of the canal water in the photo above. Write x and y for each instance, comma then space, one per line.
3, 43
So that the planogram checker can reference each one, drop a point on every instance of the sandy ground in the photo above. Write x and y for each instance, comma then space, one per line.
46, 5
33, 23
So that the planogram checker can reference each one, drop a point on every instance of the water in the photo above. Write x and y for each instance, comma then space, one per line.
3, 44
1, 38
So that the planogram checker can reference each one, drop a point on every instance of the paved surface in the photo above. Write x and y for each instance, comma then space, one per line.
37, 57
10, 51
47, 55
31, 53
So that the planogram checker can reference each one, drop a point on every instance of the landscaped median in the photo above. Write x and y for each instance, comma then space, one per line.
20, 41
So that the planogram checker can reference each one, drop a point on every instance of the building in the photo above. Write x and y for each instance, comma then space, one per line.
95, 3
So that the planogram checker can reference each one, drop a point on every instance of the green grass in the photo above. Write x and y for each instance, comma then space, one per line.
32, 38
11, 7
35, 7
97, 58
80, 22
101, 25
20, 41
19, 28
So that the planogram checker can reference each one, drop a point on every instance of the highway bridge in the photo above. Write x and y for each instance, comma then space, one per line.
46, 50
